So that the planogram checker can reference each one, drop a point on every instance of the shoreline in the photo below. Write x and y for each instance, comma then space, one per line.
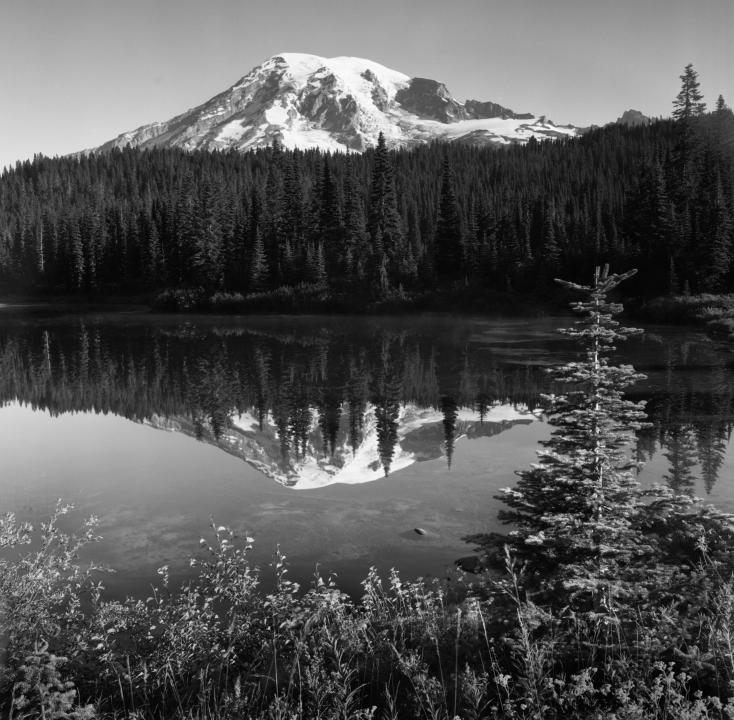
713, 314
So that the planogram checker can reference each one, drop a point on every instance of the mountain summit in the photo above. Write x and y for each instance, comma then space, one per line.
337, 104
633, 118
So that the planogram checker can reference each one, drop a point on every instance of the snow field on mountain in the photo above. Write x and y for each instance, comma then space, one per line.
231, 131
348, 70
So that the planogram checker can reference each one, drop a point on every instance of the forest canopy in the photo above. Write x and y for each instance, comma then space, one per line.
386, 225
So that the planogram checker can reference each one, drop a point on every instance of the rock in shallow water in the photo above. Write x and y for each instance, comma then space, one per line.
470, 563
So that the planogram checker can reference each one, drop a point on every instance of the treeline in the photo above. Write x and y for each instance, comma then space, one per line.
439, 220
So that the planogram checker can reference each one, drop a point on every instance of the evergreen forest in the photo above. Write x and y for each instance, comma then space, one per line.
435, 226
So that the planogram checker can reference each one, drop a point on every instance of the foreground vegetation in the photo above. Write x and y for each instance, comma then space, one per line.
221, 648
608, 601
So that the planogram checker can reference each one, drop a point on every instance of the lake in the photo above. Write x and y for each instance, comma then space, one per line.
333, 437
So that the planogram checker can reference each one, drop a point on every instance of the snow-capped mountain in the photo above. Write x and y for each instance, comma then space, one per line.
336, 104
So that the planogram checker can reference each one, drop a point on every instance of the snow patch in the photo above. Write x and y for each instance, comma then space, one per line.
232, 131
247, 421
350, 72
276, 115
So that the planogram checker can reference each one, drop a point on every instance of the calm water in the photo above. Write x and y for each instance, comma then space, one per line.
333, 437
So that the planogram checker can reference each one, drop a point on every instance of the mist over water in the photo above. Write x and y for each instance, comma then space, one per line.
335, 437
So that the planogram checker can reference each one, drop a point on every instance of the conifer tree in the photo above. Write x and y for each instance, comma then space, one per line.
550, 254
40, 255
574, 511
590, 539
650, 224
293, 214
152, 259
384, 223
712, 254
448, 240
258, 265
331, 230
208, 257
315, 265
688, 103
354, 226
76, 255
688, 108
272, 225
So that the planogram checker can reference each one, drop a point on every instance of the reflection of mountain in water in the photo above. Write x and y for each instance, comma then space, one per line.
344, 400
421, 436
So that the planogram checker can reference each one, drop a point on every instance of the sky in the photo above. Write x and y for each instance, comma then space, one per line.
76, 73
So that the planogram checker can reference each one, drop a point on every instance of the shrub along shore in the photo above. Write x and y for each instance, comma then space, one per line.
606, 600
715, 313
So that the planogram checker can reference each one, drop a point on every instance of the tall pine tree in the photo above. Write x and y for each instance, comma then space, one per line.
574, 511
688, 103
384, 223
448, 241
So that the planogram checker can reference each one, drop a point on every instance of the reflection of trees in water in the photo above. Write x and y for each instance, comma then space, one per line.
690, 402
711, 443
213, 397
681, 454
209, 375
449, 410
385, 394
356, 399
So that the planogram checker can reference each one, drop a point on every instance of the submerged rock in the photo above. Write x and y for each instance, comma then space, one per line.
471, 564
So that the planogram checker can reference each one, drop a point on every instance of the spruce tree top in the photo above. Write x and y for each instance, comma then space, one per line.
689, 101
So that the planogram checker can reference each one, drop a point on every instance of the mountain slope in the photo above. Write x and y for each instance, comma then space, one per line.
337, 104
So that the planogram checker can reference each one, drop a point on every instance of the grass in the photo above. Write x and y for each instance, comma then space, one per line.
221, 648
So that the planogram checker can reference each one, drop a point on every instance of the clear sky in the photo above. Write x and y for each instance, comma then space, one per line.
75, 73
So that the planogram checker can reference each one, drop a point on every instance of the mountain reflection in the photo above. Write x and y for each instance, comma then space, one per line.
349, 401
